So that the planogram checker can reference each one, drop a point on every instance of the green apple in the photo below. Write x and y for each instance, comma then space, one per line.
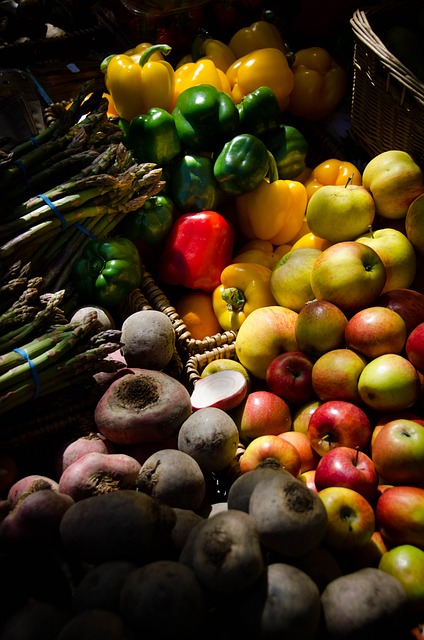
265, 333
336, 373
302, 415
389, 383
290, 280
349, 274
406, 563
351, 520
394, 179
338, 213
320, 327
414, 224
398, 452
397, 254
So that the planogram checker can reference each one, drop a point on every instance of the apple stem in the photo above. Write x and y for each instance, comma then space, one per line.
370, 230
357, 456
349, 180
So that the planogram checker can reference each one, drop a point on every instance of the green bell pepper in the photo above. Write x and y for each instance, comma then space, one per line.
205, 117
107, 271
193, 184
242, 164
153, 137
289, 148
259, 112
150, 224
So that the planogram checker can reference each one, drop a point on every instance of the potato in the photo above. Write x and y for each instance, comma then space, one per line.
174, 478
211, 437
148, 339
365, 604
95, 623
163, 597
291, 518
142, 406
283, 603
122, 525
104, 318
100, 587
96, 473
225, 552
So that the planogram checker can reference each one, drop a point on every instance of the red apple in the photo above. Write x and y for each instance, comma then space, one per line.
375, 331
400, 516
349, 274
338, 423
289, 376
302, 415
406, 563
370, 554
272, 452
336, 373
262, 413
398, 453
408, 303
351, 520
347, 467
415, 347
308, 456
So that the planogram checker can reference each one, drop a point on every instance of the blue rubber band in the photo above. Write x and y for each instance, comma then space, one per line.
33, 370
56, 211
34, 141
22, 169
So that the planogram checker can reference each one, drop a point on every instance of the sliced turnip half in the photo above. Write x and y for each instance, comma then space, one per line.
223, 389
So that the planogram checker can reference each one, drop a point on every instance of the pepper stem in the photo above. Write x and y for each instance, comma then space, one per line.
234, 298
147, 53
273, 175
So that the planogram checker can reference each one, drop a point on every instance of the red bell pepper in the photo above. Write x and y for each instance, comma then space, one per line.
197, 249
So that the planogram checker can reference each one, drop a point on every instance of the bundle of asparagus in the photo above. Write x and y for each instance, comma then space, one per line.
83, 181
41, 352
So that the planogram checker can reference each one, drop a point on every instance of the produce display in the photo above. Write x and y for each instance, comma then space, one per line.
281, 492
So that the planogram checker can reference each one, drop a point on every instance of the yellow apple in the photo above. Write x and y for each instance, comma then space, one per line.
290, 279
414, 224
397, 254
394, 179
338, 213
266, 332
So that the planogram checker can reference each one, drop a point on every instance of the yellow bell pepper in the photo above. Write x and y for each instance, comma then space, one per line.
273, 211
212, 49
263, 67
137, 86
244, 287
261, 252
320, 83
136, 52
204, 71
332, 171
259, 35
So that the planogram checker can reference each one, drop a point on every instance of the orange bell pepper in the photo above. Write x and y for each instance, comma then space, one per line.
263, 67
332, 171
274, 211
320, 83
259, 35
204, 71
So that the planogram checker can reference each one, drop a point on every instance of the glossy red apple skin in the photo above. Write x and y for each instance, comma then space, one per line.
270, 452
351, 519
400, 516
415, 347
337, 423
398, 452
308, 478
408, 303
289, 376
347, 467
375, 331
262, 413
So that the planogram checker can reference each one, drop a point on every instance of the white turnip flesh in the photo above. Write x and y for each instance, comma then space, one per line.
224, 389
122, 525
142, 406
148, 339
164, 596
96, 473
225, 552
211, 437
174, 478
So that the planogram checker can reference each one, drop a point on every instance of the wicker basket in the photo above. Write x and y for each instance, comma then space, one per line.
387, 109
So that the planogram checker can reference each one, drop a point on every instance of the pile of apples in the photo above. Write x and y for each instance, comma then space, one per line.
335, 371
